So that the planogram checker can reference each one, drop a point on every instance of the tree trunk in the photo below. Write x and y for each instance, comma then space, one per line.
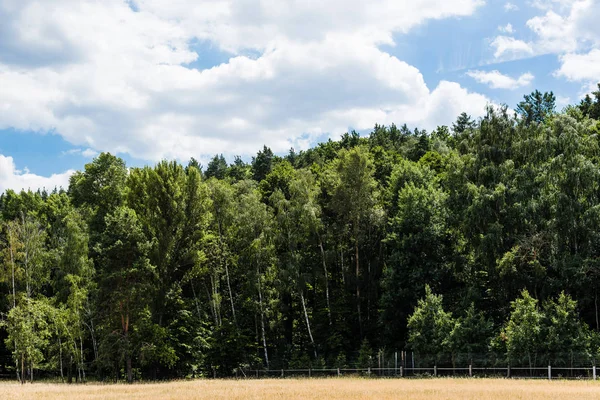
358, 287
90, 327
326, 281
70, 371
224, 260
82, 363
230, 294
62, 377
14, 292
312, 341
196, 299
596, 307
129, 370
262, 319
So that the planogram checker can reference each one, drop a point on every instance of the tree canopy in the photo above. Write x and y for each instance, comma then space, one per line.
475, 240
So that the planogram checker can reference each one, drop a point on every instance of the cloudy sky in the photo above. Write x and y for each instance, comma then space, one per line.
154, 79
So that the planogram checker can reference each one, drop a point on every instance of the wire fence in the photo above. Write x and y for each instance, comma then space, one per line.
548, 372
407, 364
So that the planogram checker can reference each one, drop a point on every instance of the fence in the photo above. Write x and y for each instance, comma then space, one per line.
407, 364
548, 372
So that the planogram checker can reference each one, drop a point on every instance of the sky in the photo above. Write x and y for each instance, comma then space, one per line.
173, 79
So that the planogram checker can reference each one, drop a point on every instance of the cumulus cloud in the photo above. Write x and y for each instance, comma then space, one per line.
580, 67
566, 26
12, 178
120, 76
510, 7
496, 80
507, 47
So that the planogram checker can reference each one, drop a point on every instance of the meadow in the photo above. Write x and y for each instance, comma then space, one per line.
332, 388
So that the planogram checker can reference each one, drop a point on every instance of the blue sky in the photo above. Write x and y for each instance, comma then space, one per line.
153, 79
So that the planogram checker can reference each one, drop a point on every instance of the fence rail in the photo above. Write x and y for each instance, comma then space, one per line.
548, 372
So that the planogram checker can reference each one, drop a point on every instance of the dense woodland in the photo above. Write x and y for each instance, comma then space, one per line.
478, 238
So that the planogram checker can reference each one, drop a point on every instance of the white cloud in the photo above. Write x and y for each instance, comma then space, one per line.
510, 7
550, 4
496, 80
580, 67
554, 33
106, 77
570, 29
89, 153
507, 47
12, 178
508, 28
566, 26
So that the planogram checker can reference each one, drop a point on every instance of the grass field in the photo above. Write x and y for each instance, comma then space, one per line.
333, 388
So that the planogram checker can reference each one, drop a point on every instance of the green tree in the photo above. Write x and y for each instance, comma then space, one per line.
124, 283
522, 333
262, 164
536, 107
355, 202
217, 167
470, 335
566, 336
429, 326
28, 333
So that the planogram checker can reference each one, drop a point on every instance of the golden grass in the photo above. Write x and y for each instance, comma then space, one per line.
333, 388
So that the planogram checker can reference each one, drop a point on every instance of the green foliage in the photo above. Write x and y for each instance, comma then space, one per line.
429, 326
365, 355
316, 257
523, 331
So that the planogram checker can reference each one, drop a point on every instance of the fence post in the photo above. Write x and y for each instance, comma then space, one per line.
508, 371
402, 371
549, 372
435, 370
338, 372
369, 371
594, 372
470, 370
256, 374
396, 363
282, 373
309, 372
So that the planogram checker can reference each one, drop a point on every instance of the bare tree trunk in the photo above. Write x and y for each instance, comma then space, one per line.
596, 307
62, 377
82, 363
326, 280
213, 311
342, 261
90, 327
224, 259
230, 294
262, 319
312, 341
196, 299
12, 263
358, 287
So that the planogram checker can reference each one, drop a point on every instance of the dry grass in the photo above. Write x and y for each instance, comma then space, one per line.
333, 388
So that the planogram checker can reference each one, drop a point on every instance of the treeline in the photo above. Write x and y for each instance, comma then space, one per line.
482, 237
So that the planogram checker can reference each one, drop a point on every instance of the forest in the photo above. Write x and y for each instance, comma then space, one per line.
475, 240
